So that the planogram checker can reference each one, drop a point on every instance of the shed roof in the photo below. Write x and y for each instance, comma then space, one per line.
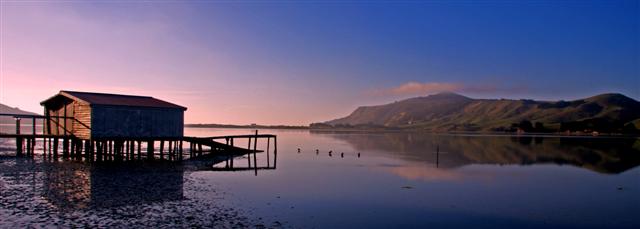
115, 99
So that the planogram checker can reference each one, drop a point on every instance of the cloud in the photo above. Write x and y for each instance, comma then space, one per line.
418, 88
424, 88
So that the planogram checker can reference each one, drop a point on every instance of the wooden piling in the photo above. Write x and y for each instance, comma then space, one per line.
28, 146
55, 148
170, 150
161, 149
44, 145
150, 149
65, 147
275, 151
79, 150
139, 150
109, 150
98, 150
126, 150
180, 150
19, 146
268, 141
249, 148
87, 149
255, 147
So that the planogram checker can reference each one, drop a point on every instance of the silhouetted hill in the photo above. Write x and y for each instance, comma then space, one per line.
4, 109
453, 112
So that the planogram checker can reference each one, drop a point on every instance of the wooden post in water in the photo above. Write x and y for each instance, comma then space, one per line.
127, 152
72, 148
255, 154
131, 149
50, 146
150, 146
105, 148
44, 146
17, 126
32, 143
180, 150
132, 145
232, 145
79, 150
174, 147
194, 148
170, 150
98, 150
55, 148
161, 149
109, 150
94, 149
268, 141
139, 149
115, 154
275, 151
122, 150
65, 147
87, 149
249, 153
28, 145
18, 139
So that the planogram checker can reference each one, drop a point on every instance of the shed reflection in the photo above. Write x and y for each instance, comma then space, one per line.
77, 185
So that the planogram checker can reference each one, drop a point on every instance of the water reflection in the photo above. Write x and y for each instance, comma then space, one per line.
235, 162
603, 155
79, 185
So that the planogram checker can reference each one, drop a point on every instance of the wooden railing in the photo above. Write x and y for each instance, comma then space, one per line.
45, 119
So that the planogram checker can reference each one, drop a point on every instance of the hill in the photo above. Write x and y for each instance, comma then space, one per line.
453, 112
4, 109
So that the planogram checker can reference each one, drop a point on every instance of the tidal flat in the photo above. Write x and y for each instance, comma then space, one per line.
342, 180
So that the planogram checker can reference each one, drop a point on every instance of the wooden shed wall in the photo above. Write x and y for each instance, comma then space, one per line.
123, 121
82, 122
78, 123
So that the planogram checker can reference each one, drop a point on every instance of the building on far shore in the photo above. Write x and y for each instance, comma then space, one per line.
89, 115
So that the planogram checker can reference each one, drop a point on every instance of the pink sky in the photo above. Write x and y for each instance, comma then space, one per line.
294, 63
46, 48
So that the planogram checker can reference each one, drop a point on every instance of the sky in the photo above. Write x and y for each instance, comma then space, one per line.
294, 63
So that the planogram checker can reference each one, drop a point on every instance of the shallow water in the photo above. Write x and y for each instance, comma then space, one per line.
399, 180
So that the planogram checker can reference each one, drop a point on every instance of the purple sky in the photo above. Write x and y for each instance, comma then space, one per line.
297, 63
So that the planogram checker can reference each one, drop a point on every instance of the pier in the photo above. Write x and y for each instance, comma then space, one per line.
68, 146
101, 127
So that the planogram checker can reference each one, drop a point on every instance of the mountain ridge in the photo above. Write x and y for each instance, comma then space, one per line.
4, 109
609, 112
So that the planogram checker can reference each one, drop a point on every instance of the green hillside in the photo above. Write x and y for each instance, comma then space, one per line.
454, 112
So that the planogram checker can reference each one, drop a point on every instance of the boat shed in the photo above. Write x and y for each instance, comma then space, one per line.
88, 115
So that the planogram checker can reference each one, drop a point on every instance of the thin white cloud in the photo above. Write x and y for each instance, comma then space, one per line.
418, 88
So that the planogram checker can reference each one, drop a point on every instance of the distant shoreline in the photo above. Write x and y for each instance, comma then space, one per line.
246, 126
393, 130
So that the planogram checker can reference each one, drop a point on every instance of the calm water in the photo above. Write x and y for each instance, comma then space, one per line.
400, 180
